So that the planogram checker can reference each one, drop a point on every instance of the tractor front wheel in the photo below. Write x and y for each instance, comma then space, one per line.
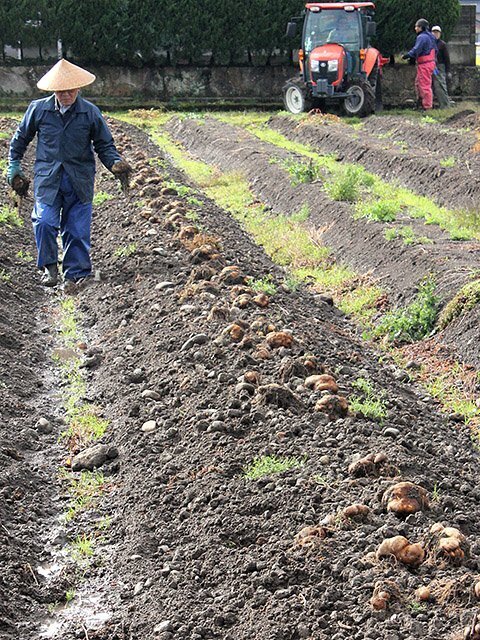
295, 98
360, 100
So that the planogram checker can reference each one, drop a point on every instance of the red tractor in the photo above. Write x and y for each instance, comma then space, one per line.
337, 62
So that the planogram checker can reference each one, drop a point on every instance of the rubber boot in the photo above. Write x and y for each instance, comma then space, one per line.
50, 277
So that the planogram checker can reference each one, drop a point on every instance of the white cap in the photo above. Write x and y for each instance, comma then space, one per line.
437, 28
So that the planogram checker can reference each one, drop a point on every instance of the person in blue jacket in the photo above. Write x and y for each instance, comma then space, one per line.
424, 53
69, 129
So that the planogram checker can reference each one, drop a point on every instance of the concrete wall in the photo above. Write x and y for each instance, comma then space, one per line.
462, 43
144, 87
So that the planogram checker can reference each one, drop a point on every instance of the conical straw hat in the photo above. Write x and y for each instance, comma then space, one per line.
65, 75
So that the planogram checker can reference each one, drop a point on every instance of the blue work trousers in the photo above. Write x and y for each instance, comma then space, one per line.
73, 219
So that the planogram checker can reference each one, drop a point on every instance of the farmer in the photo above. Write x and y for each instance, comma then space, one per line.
68, 129
424, 52
439, 86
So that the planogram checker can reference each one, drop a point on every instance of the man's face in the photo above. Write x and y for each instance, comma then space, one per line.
437, 34
417, 28
67, 98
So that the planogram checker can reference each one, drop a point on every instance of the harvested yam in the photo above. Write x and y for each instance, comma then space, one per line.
203, 253
202, 240
369, 465
242, 301
201, 272
232, 275
322, 382
404, 498
218, 313
261, 300
146, 213
169, 191
235, 332
384, 593
334, 406
157, 203
149, 191
262, 353
356, 511
252, 377
187, 232
277, 395
173, 222
299, 367
262, 326
448, 543
238, 290
423, 594
310, 536
400, 548
278, 339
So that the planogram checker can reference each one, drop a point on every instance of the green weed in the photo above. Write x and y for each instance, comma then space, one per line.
264, 285
371, 403
436, 493
303, 214
5, 276
448, 162
194, 202
380, 210
104, 523
361, 302
270, 465
346, 185
182, 189
3, 166
81, 548
9, 217
126, 251
407, 234
70, 595
192, 215
300, 172
467, 298
26, 256
100, 197
413, 322
84, 492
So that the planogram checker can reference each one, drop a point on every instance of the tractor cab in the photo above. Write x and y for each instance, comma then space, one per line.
336, 59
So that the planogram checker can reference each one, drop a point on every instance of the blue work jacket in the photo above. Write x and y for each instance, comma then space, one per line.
424, 43
64, 142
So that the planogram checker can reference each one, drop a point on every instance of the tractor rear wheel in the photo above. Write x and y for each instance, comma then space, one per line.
295, 97
360, 100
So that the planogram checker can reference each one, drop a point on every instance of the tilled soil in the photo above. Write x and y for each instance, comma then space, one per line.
197, 550
358, 243
408, 153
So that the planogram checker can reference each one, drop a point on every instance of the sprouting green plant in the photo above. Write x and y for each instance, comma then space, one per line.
436, 493
361, 302
417, 607
159, 163
70, 595
379, 210
467, 298
9, 217
84, 492
126, 251
104, 523
100, 197
181, 189
194, 202
26, 256
81, 548
415, 321
84, 425
302, 214
407, 234
264, 285
371, 403
292, 283
300, 172
269, 465
192, 215
448, 162
51, 607
5, 276
346, 185
3, 166
428, 120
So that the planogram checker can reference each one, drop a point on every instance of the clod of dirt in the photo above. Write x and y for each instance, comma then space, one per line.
448, 543
384, 593
322, 382
169, 191
252, 377
93, 457
157, 203
404, 498
277, 395
369, 465
400, 548
278, 339
334, 406
261, 300
310, 536
201, 272
187, 233
242, 301
232, 275
262, 353
173, 222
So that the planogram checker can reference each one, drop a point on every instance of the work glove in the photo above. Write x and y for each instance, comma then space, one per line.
14, 169
122, 170
405, 56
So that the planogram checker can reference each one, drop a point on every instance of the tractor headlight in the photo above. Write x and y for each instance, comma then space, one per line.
315, 65
333, 65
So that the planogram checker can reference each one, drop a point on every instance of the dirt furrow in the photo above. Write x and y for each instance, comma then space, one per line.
358, 243
196, 389
418, 168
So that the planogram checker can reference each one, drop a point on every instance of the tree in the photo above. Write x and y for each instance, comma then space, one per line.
10, 24
396, 20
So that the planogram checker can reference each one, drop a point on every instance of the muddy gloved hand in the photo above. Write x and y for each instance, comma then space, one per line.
20, 185
14, 169
405, 56
122, 171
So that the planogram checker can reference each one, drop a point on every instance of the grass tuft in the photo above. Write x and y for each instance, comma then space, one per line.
270, 465
9, 217
370, 403
100, 197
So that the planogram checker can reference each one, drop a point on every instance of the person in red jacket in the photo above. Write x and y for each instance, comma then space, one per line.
425, 53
